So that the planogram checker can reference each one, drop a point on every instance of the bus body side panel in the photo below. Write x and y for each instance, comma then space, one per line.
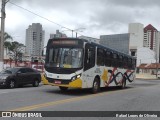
109, 76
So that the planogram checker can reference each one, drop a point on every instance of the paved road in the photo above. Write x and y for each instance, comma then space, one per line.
143, 95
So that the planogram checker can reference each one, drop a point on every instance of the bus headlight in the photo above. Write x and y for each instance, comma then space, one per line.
75, 77
78, 76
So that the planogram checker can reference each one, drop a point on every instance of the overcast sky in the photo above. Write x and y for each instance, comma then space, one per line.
98, 17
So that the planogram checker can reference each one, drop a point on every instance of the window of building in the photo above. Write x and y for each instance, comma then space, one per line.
133, 53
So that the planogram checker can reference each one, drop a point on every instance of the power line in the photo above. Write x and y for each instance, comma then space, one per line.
41, 16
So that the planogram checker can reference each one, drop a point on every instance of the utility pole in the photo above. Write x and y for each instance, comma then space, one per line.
157, 65
76, 34
72, 33
3, 15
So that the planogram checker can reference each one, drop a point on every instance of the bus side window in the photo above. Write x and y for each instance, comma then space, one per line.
89, 61
114, 60
117, 61
108, 59
100, 57
120, 61
133, 63
129, 63
89, 52
125, 62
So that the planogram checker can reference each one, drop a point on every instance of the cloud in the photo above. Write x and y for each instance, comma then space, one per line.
135, 3
97, 16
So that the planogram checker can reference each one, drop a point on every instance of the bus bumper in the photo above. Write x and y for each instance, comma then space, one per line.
74, 84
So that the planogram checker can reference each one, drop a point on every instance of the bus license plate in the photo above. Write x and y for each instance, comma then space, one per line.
57, 82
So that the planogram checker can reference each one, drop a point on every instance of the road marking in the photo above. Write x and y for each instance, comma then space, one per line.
3, 92
27, 108
36, 106
54, 103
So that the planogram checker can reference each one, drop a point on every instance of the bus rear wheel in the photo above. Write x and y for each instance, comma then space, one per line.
123, 85
63, 88
96, 86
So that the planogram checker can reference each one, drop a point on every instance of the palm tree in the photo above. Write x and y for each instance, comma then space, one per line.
7, 44
7, 37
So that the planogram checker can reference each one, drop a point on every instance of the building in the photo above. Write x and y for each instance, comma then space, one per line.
135, 31
95, 40
58, 35
145, 55
152, 39
151, 68
119, 42
34, 40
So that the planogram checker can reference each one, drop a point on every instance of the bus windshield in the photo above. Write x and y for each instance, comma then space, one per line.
65, 57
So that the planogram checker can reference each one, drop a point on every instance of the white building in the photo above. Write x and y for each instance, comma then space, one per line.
152, 39
136, 37
34, 40
58, 35
145, 55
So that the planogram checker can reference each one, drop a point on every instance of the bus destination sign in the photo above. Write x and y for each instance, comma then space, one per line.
65, 42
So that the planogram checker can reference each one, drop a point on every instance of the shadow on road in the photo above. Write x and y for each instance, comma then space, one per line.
23, 86
81, 92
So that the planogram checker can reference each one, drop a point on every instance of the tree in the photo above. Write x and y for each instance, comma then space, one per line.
7, 37
16, 51
7, 44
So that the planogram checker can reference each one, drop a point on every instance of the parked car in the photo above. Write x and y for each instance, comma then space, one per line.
38, 67
19, 76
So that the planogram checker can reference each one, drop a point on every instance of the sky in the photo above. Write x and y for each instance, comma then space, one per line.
96, 17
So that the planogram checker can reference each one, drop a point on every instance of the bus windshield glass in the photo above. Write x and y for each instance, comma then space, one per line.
65, 57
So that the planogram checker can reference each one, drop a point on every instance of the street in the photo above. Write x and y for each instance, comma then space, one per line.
143, 95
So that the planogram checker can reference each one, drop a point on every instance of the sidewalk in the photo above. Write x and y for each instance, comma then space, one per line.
146, 76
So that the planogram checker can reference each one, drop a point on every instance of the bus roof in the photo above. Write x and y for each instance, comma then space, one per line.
111, 49
95, 44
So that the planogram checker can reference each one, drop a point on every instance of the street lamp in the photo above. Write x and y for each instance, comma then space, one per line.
78, 30
75, 30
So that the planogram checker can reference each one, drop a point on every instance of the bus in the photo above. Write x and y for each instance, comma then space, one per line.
78, 63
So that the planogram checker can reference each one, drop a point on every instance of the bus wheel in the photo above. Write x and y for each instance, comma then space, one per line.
123, 84
96, 86
63, 88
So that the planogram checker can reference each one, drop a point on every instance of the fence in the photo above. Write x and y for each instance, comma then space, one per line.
39, 66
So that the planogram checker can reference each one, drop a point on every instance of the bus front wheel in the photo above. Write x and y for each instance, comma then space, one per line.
63, 88
96, 86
